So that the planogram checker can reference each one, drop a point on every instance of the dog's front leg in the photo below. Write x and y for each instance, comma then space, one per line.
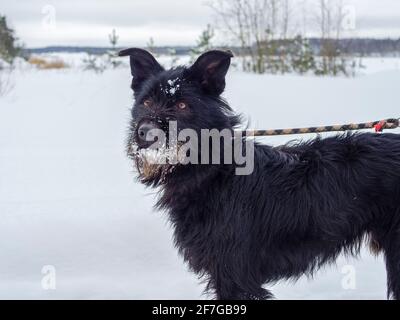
229, 291
238, 294
226, 288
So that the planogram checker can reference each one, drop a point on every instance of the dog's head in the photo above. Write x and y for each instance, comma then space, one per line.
190, 97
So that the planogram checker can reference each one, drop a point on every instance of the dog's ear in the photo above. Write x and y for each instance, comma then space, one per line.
143, 65
210, 70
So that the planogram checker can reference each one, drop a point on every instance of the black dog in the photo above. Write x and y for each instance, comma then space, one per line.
301, 207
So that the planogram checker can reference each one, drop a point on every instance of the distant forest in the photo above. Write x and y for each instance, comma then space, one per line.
352, 47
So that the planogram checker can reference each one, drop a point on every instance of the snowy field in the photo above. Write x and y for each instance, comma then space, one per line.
68, 198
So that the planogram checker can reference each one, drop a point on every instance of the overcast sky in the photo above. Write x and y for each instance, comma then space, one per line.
169, 22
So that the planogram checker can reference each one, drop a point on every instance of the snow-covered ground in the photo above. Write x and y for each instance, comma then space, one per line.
68, 198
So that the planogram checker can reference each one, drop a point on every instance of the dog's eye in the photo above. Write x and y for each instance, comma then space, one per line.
147, 103
181, 105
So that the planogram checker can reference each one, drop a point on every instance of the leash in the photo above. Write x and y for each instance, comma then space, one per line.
379, 126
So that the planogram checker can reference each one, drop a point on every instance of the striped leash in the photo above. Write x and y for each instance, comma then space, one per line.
379, 126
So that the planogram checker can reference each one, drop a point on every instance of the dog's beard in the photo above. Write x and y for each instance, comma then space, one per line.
153, 165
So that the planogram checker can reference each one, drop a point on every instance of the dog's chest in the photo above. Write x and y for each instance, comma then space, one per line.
198, 238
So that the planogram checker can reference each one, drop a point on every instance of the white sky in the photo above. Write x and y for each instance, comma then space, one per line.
169, 22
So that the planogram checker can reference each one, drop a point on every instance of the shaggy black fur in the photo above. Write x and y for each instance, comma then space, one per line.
302, 206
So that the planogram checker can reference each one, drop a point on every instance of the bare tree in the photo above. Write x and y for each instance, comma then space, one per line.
112, 54
329, 18
255, 25
263, 30
113, 39
6, 81
286, 14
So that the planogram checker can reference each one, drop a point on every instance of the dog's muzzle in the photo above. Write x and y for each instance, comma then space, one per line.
146, 133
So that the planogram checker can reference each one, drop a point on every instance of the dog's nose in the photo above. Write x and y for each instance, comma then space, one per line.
144, 132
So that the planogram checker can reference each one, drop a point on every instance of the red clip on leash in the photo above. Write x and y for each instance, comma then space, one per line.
380, 126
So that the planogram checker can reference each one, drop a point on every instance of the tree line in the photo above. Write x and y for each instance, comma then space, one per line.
272, 34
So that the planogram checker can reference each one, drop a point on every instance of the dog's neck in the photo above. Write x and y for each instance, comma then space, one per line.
187, 180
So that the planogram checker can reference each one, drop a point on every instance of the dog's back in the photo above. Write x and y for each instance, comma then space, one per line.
320, 198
